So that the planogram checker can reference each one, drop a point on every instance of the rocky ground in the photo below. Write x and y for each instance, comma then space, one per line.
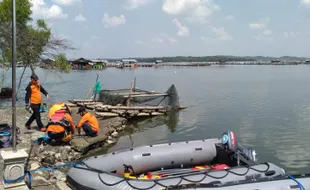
45, 156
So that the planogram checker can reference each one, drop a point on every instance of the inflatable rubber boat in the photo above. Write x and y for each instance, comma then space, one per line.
219, 163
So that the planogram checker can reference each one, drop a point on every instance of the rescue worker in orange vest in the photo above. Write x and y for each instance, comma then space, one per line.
33, 93
88, 122
61, 126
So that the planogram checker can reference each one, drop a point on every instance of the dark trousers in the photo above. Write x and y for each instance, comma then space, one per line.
56, 136
35, 116
88, 130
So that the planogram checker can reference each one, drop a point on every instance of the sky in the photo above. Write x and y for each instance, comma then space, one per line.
155, 28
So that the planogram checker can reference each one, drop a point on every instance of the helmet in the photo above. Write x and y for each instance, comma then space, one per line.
59, 106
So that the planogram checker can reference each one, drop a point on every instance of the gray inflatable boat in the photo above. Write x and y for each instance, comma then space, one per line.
201, 164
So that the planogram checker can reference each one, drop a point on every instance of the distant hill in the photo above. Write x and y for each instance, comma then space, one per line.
215, 58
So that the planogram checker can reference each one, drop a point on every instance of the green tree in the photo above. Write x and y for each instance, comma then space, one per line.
62, 63
33, 42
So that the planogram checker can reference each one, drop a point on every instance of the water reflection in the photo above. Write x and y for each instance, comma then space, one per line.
147, 131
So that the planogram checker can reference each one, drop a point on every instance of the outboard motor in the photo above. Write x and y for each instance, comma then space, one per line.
229, 140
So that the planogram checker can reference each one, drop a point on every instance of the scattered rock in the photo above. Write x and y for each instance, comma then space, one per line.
109, 137
79, 144
85, 144
62, 186
48, 160
110, 130
64, 154
114, 134
58, 156
58, 175
46, 175
110, 142
34, 166
39, 181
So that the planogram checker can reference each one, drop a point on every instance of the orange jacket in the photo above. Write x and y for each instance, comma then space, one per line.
91, 120
33, 92
59, 128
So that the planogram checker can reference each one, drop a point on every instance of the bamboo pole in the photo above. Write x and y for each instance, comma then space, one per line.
133, 108
134, 85
109, 114
130, 91
90, 91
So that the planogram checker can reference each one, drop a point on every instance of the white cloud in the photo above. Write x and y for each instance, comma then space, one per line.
291, 34
134, 4
267, 32
305, 2
229, 17
41, 10
221, 34
158, 40
261, 24
67, 2
113, 21
163, 37
182, 30
265, 35
167, 37
80, 18
195, 11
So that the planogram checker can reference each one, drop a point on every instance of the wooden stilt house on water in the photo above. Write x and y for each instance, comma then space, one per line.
82, 64
99, 64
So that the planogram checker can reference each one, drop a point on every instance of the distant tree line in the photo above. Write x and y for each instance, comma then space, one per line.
218, 58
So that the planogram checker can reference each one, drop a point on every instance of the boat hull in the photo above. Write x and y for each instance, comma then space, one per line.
106, 172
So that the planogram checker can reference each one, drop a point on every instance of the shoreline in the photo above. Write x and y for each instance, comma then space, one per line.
45, 156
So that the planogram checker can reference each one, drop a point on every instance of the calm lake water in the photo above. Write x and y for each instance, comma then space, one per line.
268, 107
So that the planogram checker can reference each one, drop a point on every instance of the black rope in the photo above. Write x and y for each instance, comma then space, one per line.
156, 181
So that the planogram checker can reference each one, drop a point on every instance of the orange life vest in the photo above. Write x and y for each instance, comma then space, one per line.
58, 118
35, 97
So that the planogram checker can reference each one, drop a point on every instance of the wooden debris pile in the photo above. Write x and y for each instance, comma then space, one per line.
132, 102
102, 110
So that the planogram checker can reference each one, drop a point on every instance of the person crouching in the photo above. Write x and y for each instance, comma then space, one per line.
60, 126
88, 122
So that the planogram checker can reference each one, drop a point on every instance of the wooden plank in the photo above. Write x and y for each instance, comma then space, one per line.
107, 114
136, 107
183, 107
71, 105
118, 111
149, 114
87, 103
80, 100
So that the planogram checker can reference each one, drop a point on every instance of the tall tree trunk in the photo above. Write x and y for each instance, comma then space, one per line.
32, 69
